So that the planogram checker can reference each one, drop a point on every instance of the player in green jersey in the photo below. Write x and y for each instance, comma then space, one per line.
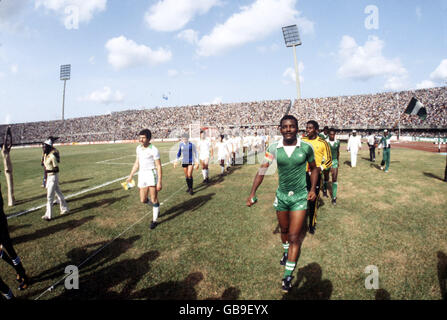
334, 145
291, 155
385, 143
325, 133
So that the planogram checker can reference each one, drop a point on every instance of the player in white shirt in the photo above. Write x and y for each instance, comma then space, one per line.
222, 153
205, 148
148, 165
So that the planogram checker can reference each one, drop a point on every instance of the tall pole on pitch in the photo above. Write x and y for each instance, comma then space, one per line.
292, 39
64, 75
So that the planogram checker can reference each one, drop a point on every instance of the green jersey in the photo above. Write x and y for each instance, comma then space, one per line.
385, 142
291, 170
334, 145
323, 136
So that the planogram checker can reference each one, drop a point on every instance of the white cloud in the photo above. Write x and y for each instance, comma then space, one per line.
124, 53
104, 96
289, 75
367, 61
82, 9
173, 73
216, 100
10, 12
189, 36
426, 84
419, 13
253, 23
14, 69
440, 73
91, 60
172, 15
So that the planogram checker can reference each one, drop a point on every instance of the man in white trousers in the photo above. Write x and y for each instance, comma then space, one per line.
354, 145
50, 161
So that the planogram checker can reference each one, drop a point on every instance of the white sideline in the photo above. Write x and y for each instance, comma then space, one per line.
73, 195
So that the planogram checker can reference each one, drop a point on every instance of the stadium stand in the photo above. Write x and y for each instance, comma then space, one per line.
361, 112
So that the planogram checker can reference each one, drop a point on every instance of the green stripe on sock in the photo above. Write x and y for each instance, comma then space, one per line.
334, 189
290, 266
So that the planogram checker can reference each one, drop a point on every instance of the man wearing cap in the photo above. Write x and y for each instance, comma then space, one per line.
385, 143
50, 162
354, 145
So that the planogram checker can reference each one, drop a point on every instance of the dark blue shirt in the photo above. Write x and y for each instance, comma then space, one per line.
189, 152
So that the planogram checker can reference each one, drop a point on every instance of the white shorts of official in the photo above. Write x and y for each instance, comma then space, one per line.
147, 178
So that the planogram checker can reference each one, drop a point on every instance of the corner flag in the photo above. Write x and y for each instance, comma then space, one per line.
416, 108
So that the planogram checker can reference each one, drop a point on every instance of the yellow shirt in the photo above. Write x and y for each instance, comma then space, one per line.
50, 162
323, 156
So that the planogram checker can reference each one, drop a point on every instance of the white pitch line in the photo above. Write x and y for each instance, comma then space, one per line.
73, 195
50, 288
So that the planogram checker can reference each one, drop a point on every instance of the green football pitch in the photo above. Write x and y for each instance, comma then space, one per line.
211, 246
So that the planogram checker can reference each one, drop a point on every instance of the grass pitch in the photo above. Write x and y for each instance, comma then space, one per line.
211, 246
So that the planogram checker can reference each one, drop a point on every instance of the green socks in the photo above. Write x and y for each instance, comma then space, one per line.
334, 190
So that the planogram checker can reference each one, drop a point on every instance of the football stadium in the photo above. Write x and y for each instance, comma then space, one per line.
315, 197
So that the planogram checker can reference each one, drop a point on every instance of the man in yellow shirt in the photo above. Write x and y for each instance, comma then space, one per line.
50, 161
323, 160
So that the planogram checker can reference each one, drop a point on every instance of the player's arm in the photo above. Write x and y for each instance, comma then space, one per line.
327, 155
159, 173
135, 167
315, 172
269, 157
179, 153
195, 157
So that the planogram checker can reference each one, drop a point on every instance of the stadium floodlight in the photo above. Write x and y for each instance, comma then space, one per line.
292, 39
65, 75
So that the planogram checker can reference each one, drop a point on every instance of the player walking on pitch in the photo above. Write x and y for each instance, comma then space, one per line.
189, 152
204, 155
385, 143
334, 145
291, 154
323, 161
149, 169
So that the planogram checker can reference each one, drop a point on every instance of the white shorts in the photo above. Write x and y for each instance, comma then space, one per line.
222, 156
147, 178
204, 157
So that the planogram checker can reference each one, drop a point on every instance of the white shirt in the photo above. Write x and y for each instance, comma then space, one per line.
147, 157
222, 149
204, 147
371, 139
354, 143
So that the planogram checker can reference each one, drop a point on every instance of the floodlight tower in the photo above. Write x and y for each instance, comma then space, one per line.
292, 39
65, 75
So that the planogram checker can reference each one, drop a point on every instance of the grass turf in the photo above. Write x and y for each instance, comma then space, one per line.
211, 246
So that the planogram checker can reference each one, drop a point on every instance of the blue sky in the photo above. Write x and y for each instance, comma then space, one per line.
128, 54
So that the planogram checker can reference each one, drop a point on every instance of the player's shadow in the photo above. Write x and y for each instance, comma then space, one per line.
442, 274
367, 159
103, 284
192, 204
431, 175
89, 256
231, 293
172, 290
41, 196
75, 181
103, 203
42, 233
348, 163
375, 166
382, 294
309, 285
212, 181
94, 194
12, 228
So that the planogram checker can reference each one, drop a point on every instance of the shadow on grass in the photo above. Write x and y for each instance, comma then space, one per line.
217, 179
232, 293
91, 205
431, 175
74, 181
41, 233
101, 284
13, 228
172, 290
375, 166
189, 205
309, 285
348, 163
78, 256
442, 274
382, 294
94, 194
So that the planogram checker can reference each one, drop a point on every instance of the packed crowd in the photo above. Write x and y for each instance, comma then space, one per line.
360, 112
374, 110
